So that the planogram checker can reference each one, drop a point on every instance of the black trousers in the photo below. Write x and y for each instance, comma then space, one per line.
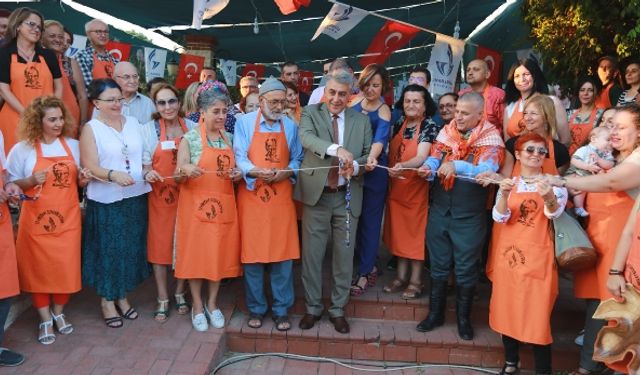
541, 354
5, 305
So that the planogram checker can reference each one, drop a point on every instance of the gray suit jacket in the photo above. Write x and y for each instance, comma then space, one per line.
316, 135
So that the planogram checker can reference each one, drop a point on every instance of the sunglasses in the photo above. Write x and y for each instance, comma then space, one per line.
539, 150
162, 103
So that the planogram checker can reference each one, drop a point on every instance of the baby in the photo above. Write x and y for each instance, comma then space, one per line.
591, 159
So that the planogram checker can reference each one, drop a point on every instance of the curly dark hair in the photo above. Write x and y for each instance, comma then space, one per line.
30, 124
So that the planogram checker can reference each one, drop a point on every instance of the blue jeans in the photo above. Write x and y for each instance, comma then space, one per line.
281, 276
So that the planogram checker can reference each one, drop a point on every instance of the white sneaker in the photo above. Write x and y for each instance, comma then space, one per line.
199, 322
581, 212
215, 317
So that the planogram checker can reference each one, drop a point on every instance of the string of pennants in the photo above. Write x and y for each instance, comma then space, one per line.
444, 62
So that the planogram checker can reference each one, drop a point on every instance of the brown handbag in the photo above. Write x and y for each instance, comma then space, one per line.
574, 251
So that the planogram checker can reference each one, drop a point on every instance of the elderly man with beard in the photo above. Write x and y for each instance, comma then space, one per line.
135, 104
268, 152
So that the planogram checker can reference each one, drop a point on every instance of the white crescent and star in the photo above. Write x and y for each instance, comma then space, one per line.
116, 53
252, 73
395, 35
490, 62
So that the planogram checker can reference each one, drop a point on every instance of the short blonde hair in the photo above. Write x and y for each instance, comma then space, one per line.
545, 103
30, 124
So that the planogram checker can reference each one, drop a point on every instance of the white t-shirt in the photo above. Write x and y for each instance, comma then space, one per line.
316, 95
150, 138
22, 157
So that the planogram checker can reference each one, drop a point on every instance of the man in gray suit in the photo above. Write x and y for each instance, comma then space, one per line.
330, 132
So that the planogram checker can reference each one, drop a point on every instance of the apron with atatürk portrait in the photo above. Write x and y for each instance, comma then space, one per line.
267, 214
48, 244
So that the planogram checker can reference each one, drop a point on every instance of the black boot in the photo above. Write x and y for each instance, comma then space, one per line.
464, 299
437, 306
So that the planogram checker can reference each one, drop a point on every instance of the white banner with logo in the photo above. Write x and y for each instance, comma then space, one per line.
444, 63
228, 68
154, 62
205, 9
79, 43
340, 20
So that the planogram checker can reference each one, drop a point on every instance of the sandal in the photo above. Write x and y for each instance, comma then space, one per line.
395, 286
130, 314
45, 337
514, 366
359, 285
181, 304
372, 277
282, 323
162, 311
61, 324
255, 320
413, 291
114, 322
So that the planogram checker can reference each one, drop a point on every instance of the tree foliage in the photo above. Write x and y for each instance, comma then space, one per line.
572, 34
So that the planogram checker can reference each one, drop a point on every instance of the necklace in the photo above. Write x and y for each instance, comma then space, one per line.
26, 55
125, 147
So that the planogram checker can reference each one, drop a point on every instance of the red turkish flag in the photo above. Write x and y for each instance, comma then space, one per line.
120, 51
392, 36
305, 81
189, 70
494, 60
254, 70
290, 6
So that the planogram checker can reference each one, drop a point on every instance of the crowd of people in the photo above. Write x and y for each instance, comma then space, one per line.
199, 187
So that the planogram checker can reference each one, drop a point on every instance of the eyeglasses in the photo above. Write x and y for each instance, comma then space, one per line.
248, 87
127, 77
273, 103
33, 25
112, 100
162, 103
417, 79
539, 150
100, 32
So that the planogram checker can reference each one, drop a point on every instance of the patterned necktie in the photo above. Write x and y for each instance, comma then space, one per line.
332, 179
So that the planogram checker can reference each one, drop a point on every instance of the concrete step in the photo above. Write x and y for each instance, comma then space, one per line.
389, 340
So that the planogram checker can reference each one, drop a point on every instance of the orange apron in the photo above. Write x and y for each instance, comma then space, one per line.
406, 214
515, 126
101, 69
9, 285
48, 245
28, 81
69, 99
608, 213
603, 101
522, 268
267, 214
207, 230
163, 199
580, 132
548, 164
